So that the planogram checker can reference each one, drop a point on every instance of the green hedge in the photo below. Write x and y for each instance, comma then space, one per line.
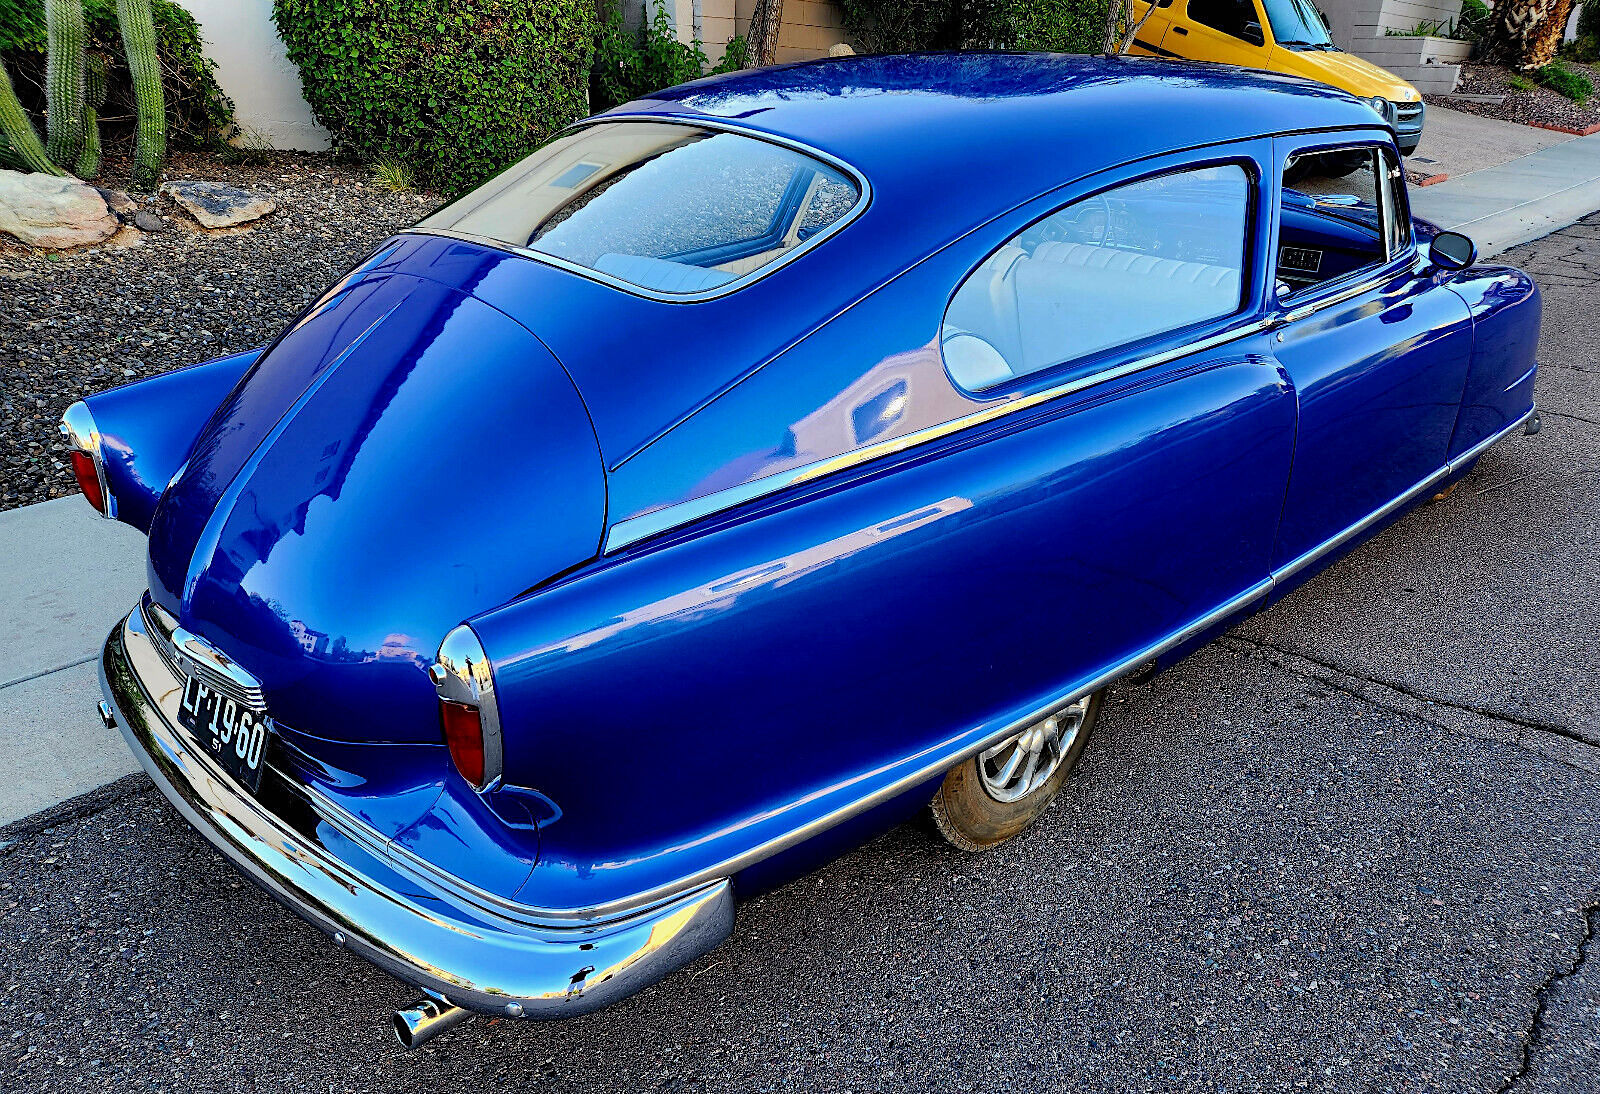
895, 26
197, 109
456, 89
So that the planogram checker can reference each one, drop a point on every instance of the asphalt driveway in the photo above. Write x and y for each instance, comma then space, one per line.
1355, 845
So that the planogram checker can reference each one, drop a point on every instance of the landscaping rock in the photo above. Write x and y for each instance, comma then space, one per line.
217, 206
51, 212
120, 203
146, 221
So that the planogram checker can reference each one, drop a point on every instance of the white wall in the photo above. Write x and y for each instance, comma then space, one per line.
254, 70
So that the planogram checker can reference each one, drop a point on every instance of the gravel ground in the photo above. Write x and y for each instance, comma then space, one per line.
82, 322
1538, 105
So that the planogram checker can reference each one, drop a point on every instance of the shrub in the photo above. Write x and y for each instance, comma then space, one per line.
197, 110
630, 64
455, 89
1589, 20
1584, 49
1565, 82
887, 26
1472, 24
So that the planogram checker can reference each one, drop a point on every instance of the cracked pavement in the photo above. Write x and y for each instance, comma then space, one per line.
1350, 846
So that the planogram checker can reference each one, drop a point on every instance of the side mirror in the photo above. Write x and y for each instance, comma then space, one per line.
1452, 251
1251, 33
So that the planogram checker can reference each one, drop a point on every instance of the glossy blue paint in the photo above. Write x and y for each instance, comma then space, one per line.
451, 431
147, 428
1506, 309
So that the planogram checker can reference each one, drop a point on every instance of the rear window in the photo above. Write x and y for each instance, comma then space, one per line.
676, 209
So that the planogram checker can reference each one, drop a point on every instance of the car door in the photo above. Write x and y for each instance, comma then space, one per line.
1152, 28
1376, 346
1094, 479
1230, 32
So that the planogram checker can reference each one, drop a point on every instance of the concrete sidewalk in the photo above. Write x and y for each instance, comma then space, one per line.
66, 576
1521, 199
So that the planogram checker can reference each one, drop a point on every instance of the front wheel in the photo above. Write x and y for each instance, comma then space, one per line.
992, 797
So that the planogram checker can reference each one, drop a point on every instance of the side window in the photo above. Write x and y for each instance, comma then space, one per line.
1111, 269
1344, 212
1228, 16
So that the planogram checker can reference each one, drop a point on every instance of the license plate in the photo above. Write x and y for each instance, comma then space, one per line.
232, 734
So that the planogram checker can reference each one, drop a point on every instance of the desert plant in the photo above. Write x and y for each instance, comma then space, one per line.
139, 39
94, 98
1519, 83
1589, 20
393, 175
22, 146
66, 75
1584, 49
1565, 82
197, 110
455, 89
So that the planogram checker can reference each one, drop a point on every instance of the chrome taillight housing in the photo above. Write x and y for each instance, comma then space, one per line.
469, 714
88, 464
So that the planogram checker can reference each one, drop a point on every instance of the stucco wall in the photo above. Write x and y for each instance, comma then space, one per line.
1351, 21
256, 73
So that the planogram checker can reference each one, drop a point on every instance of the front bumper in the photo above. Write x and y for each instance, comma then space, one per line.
481, 956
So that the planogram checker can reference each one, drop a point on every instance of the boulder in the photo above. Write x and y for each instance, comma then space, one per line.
120, 202
51, 212
217, 206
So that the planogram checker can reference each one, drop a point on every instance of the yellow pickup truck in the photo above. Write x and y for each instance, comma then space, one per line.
1280, 36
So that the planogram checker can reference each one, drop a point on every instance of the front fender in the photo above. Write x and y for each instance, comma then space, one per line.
147, 428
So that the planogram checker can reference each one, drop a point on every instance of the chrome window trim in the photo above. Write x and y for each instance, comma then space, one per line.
78, 427
718, 125
630, 531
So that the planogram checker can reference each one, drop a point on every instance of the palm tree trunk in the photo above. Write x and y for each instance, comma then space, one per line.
1525, 34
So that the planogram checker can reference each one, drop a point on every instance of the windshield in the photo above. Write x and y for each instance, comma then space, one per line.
676, 209
1296, 23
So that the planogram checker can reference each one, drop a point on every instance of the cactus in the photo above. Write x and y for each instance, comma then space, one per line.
93, 99
139, 41
23, 147
64, 80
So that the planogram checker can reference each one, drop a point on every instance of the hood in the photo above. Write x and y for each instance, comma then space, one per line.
1345, 71
404, 457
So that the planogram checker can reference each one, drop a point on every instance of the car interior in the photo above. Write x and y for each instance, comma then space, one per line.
1333, 219
1111, 269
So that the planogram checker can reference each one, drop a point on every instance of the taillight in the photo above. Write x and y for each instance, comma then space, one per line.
88, 476
88, 467
463, 732
469, 713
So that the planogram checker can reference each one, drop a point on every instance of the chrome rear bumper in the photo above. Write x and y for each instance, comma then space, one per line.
474, 956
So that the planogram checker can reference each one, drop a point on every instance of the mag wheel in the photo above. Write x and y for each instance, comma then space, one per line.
988, 799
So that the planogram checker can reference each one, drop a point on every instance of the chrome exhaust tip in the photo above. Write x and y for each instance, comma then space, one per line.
425, 1019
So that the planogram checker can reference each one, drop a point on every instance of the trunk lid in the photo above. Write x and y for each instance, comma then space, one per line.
404, 457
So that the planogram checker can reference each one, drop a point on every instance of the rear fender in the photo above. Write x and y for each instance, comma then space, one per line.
147, 428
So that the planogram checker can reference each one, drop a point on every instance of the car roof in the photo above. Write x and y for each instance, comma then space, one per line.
987, 118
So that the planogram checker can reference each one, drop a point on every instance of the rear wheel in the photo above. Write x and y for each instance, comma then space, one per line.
992, 797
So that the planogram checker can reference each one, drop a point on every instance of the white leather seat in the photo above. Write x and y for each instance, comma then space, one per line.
1071, 299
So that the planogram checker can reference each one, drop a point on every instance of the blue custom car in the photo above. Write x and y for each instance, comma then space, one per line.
756, 466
